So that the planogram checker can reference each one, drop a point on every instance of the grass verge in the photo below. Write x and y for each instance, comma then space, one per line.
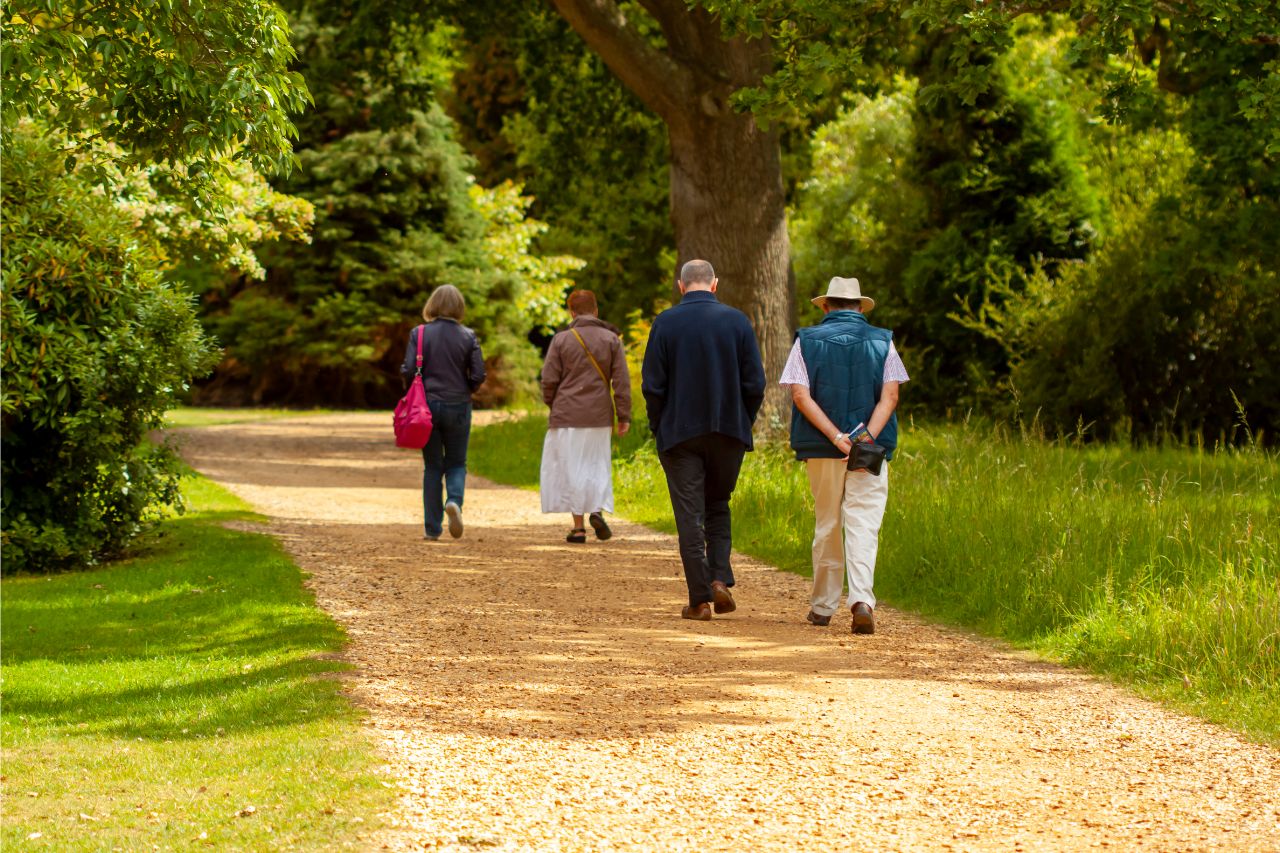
1159, 567
183, 698
199, 416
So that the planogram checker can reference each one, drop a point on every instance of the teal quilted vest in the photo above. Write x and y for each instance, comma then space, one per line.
845, 357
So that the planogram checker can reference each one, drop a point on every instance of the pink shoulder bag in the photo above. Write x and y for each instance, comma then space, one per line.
412, 419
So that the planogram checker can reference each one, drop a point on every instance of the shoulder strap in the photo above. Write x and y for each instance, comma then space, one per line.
421, 329
599, 370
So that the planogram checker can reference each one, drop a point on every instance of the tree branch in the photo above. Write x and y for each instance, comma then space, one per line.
663, 84
695, 40
676, 19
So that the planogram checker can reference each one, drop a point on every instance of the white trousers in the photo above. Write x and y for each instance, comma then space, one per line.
848, 507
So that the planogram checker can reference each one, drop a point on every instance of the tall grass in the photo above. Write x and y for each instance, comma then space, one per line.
1159, 566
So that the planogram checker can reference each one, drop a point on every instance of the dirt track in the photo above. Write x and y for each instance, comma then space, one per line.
532, 695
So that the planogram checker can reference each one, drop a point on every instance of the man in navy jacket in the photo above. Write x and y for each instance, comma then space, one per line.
703, 384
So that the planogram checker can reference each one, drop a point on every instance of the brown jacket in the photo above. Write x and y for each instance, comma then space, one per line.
572, 387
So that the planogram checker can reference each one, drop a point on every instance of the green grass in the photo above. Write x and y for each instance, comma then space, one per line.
152, 701
193, 416
1158, 567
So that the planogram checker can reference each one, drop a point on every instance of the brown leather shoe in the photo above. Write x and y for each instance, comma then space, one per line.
700, 612
818, 619
864, 620
722, 597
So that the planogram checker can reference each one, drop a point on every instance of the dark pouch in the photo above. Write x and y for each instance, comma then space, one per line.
867, 455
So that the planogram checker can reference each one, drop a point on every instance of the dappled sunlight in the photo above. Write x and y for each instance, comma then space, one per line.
513, 677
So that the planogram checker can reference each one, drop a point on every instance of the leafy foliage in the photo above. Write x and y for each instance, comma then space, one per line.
217, 231
96, 347
393, 220
930, 201
134, 133
397, 214
859, 210
1168, 331
183, 82
820, 48
536, 105
539, 282
1002, 191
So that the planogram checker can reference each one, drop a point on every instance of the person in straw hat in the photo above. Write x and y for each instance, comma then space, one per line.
844, 375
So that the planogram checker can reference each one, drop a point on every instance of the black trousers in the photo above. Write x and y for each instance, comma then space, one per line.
701, 474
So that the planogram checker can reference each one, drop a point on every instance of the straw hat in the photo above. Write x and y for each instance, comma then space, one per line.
845, 288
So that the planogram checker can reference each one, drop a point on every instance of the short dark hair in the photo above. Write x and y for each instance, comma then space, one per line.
583, 302
835, 303
697, 272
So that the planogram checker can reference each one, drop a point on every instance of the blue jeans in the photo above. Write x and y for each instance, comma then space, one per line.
444, 458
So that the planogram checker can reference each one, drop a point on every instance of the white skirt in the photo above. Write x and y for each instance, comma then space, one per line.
577, 470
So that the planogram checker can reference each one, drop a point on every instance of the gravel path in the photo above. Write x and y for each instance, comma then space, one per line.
532, 695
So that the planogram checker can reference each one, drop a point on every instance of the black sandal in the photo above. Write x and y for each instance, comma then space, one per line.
577, 535
600, 526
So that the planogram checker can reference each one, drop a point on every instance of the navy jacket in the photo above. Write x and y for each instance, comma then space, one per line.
452, 364
701, 372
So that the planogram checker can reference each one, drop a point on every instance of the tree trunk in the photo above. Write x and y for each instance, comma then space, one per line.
728, 207
727, 200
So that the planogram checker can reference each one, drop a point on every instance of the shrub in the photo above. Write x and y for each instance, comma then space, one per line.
96, 347
1004, 192
858, 212
1169, 330
930, 199
397, 213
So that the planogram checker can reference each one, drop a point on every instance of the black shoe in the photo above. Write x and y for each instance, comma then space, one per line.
430, 538
577, 535
817, 619
864, 620
600, 526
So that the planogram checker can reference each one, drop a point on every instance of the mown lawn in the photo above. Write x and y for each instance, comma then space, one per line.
182, 699
1159, 567
199, 416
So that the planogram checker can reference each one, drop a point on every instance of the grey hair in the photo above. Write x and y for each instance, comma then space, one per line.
697, 272
446, 301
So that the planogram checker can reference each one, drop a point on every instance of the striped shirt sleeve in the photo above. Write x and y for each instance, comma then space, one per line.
894, 369
796, 373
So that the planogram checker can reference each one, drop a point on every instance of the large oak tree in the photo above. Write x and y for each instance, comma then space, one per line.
727, 199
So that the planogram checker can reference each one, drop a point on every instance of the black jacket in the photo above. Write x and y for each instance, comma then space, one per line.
452, 364
702, 372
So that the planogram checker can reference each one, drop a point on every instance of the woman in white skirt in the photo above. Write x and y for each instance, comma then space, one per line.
586, 384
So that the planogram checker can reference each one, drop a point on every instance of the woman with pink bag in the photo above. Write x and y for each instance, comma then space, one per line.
452, 369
